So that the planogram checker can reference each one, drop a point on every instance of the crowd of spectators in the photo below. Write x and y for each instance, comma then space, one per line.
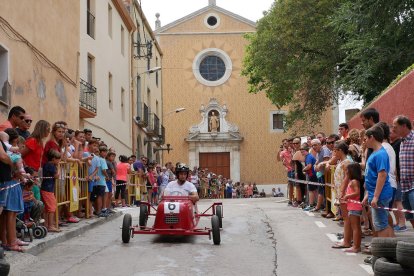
373, 168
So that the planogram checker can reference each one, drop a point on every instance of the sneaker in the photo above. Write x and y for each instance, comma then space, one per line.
368, 260
307, 208
295, 204
102, 215
398, 228
314, 210
290, 203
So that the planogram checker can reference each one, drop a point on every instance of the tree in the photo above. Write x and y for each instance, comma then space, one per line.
306, 52
378, 42
293, 58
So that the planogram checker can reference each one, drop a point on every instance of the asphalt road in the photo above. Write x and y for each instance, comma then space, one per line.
259, 237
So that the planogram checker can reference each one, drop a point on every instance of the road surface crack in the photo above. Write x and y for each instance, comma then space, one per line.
271, 237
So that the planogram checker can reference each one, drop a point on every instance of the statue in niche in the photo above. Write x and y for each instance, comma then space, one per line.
214, 122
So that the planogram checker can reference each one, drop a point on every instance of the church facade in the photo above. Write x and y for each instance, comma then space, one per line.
224, 127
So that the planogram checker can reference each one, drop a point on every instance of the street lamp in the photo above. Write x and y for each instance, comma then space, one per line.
149, 71
174, 111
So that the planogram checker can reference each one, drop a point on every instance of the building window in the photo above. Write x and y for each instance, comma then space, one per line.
156, 73
149, 151
4, 77
212, 67
90, 18
110, 20
139, 103
139, 146
123, 104
91, 69
138, 41
122, 40
110, 91
212, 20
277, 121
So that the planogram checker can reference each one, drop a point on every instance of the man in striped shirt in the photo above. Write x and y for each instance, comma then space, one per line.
403, 128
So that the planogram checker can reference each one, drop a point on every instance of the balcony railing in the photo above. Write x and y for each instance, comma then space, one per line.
90, 24
87, 97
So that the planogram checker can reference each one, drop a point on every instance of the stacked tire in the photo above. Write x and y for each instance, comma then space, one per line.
4, 266
393, 256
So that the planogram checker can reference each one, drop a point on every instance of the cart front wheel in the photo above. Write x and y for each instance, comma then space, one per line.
215, 229
126, 228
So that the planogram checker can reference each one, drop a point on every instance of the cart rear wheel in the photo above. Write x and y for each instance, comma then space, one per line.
215, 229
126, 228
219, 213
143, 215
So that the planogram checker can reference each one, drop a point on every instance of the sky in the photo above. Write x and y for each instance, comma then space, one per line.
171, 10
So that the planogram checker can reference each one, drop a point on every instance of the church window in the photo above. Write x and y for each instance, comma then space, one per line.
212, 68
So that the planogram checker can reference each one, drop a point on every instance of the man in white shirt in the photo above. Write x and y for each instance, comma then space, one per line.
182, 187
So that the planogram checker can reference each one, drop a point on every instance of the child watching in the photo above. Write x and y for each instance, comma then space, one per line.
100, 188
94, 163
354, 209
110, 157
47, 190
33, 208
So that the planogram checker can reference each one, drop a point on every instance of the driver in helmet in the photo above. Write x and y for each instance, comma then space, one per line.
180, 186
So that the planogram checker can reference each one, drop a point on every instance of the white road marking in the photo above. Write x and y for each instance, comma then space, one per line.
320, 224
332, 237
310, 214
367, 268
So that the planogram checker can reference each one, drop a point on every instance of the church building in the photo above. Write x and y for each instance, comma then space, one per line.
224, 127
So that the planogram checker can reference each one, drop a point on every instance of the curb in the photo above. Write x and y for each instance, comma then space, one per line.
40, 247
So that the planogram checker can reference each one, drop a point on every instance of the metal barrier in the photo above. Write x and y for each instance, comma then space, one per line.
330, 194
136, 188
72, 187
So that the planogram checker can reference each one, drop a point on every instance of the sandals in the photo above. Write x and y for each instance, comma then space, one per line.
367, 232
54, 230
22, 243
14, 247
340, 246
72, 219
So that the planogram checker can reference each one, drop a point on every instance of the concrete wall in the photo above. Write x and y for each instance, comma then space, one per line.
397, 100
251, 113
52, 27
110, 124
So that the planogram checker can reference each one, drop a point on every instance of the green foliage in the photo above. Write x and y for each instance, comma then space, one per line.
305, 52
292, 58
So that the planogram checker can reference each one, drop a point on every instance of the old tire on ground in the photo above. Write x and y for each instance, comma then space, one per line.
219, 213
215, 229
385, 267
384, 248
387, 247
143, 215
405, 254
126, 228
373, 260
4, 267
38, 232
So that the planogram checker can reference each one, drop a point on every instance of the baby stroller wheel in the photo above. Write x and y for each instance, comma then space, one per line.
38, 232
31, 235
22, 235
44, 230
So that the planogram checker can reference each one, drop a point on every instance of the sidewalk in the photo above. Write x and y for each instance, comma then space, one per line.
72, 230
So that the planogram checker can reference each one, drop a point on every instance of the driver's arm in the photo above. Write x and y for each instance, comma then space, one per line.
194, 197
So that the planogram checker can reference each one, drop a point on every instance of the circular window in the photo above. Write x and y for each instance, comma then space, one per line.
212, 20
212, 67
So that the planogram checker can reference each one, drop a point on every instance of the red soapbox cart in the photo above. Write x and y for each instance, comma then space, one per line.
175, 215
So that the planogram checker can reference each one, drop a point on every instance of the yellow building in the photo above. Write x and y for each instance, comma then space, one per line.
39, 47
202, 64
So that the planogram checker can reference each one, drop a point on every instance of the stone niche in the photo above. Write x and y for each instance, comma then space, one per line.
215, 134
